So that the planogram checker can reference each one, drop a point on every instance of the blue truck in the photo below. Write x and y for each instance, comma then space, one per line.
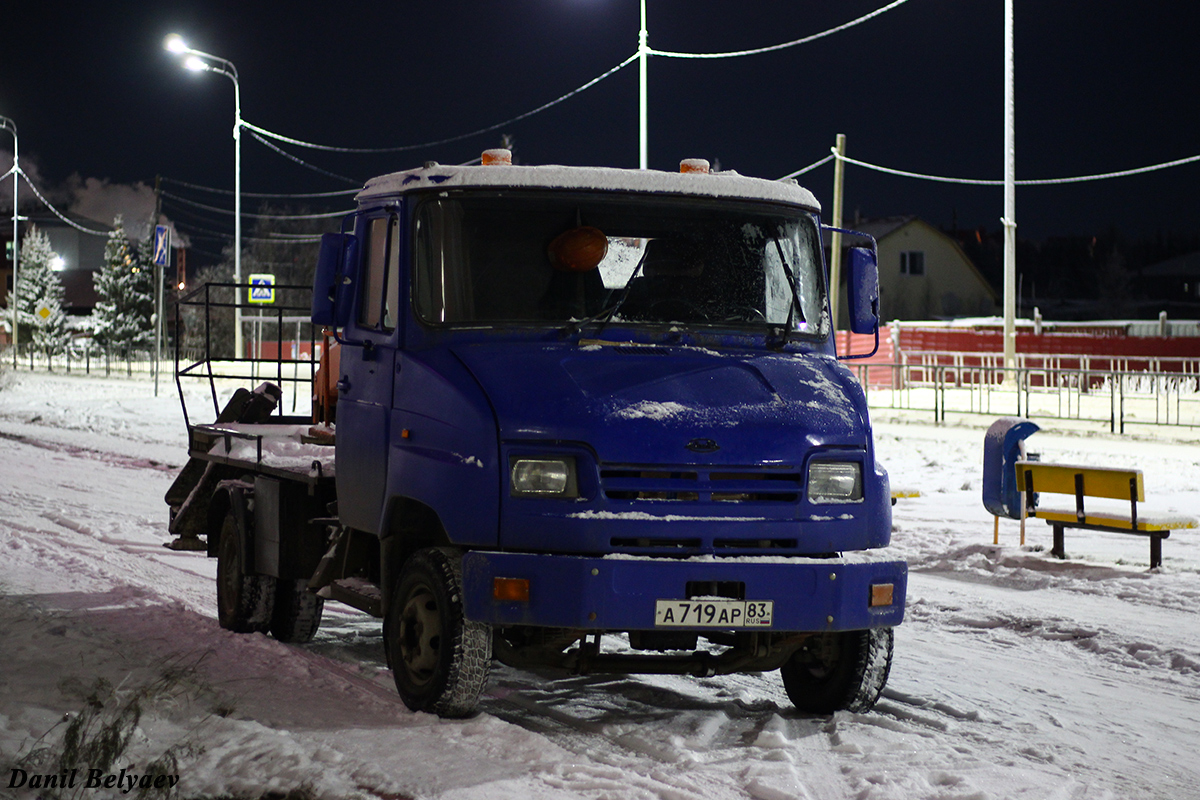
585, 420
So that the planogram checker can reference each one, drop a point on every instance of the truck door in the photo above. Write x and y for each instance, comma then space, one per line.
367, 370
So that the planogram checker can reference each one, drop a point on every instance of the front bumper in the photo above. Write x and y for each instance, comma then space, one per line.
619, 592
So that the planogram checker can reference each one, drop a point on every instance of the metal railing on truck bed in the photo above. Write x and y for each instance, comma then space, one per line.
283, 347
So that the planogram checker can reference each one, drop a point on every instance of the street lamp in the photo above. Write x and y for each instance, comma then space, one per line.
197, 61
8, 125
643, 57
1010, 202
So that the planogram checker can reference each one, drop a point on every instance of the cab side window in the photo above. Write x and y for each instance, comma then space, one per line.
381, 289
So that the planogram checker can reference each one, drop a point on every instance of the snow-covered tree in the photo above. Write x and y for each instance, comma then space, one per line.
40, 315
125, 283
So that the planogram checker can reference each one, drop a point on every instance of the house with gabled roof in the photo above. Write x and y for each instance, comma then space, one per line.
924, 273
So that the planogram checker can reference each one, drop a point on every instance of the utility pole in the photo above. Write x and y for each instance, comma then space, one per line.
8, 125
1010, 203
835, 239
158, 284
643, 114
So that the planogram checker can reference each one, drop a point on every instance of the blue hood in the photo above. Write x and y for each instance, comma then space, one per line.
644, 405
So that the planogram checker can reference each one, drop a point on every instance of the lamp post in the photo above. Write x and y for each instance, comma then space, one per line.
10, 126
643, 57
198, 61
1010, 203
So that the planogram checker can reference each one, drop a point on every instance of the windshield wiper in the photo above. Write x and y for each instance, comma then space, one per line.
786, 329
607, 314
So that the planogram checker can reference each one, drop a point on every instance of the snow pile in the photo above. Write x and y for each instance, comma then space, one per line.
279, 446
1016, 675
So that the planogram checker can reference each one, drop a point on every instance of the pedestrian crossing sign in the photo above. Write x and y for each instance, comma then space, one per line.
262, 288
162, 246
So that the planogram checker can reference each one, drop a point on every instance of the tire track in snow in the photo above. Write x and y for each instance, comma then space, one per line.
96, 455
692, 734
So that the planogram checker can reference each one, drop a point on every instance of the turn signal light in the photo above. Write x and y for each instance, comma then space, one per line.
881, 594
697, 165
511, 589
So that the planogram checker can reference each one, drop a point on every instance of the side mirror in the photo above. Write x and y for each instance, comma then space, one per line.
863, 290
337, 275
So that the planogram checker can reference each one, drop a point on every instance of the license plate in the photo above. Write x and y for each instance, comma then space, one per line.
713, 613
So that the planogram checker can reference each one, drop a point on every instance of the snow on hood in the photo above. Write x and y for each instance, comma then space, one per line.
718, 184
645, 408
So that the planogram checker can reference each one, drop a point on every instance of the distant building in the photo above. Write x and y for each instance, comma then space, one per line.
924, 274
1177, 282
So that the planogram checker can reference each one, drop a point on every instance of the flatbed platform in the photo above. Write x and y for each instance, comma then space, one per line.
284, 450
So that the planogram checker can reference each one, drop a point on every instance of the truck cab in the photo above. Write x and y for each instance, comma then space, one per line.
593, 419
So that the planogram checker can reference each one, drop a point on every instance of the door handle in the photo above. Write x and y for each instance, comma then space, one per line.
343, 384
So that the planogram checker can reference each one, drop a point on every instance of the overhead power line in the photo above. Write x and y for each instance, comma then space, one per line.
809, 168
56, 212
264, 195
666, 53
249, 215
299, 160
447, 140
196, 232
784, 45
1035, 182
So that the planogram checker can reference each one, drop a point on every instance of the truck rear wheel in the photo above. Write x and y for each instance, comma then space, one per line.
297, 614
245, 600
838, 671
440, 660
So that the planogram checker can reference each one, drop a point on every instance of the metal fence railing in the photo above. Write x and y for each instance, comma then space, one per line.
86, 359
1117, 398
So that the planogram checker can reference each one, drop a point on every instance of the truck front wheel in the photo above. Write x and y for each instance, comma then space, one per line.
837, 671
245, 599
439, 659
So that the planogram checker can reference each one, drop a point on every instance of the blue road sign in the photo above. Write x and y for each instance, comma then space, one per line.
162, 246
262, 287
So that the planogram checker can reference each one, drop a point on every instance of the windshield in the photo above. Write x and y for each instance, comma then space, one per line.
561, 258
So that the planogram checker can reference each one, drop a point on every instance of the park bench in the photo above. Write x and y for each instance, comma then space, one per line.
1035, 478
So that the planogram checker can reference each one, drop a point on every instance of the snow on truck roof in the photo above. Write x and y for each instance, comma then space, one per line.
727, 184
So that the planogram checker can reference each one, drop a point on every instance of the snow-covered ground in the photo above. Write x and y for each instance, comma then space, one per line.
1015, 676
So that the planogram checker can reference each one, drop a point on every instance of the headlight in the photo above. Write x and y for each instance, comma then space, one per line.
544, 477
834, 482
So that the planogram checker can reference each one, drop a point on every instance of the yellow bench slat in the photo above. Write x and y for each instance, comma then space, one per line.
1097, 481
1157, 522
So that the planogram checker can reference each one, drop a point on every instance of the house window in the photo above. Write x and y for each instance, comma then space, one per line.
912, 262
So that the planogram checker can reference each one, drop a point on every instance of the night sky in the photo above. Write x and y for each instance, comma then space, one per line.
1101, 85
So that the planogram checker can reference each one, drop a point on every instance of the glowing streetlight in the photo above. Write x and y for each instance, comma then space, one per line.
58, 263
198, 61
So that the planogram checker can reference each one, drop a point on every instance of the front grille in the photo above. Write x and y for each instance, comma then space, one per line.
723, 485
627, 350
648, 543
754, 544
